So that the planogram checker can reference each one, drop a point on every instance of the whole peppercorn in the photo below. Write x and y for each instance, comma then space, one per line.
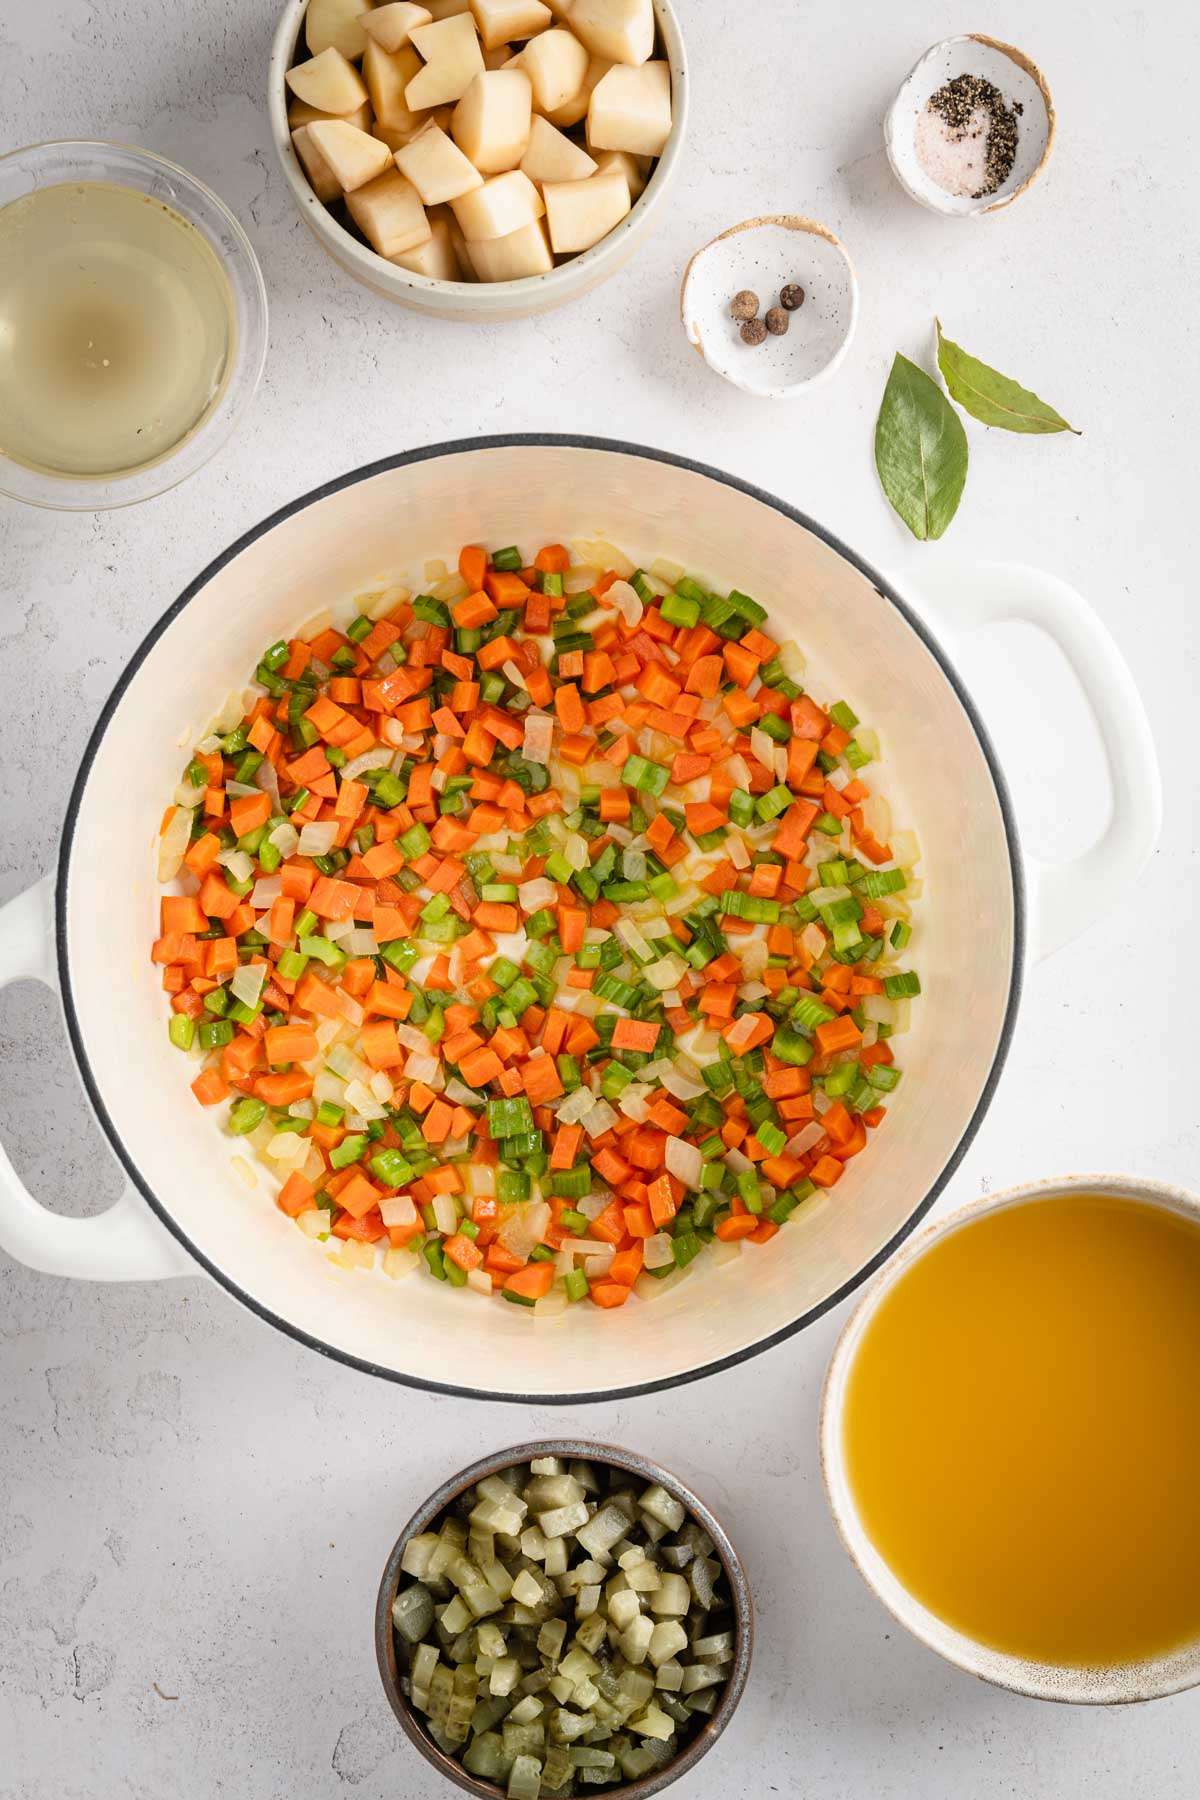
792, 296
744, 305
754, 332
777, 321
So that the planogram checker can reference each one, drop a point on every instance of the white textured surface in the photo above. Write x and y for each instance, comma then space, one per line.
185, 1497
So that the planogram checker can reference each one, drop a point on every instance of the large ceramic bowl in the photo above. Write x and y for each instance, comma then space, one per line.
478, 302
90, 927
1093, 1686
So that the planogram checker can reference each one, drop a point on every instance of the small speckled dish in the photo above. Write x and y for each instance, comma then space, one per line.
765, 255
1018, 79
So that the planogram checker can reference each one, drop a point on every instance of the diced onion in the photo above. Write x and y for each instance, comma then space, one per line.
808, 1135
172, 845
603, 555
600, 1119
667, 972
536, 894
421, 1066
626, 601
681, 1086
877, 817
445, 1213
248, 982
763, 747
285, 838
267, 890
524, 1230
657, 1251
575, 1108
539, 735
318, 840
684, 1161
906, 849
379, 758
231, 714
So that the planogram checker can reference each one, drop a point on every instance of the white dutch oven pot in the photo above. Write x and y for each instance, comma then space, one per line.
89, 931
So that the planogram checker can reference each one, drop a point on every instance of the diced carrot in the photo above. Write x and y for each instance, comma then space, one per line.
608, 1293
634, 1034
533, 1282
290, 1043
463, 1251
295, 1196
209, 1087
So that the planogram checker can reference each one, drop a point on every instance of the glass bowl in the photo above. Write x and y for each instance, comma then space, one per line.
52, 164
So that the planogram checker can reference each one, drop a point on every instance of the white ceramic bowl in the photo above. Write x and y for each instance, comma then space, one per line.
1041, 1681
92, 928
479, 302
764, 255
1018, 78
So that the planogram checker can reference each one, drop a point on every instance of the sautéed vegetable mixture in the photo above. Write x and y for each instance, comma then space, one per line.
539, 930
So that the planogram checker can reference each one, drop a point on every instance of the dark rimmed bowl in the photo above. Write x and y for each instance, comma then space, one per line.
614, 1457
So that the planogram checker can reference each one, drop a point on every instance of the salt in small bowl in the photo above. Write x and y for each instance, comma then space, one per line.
1019, 80
766, 255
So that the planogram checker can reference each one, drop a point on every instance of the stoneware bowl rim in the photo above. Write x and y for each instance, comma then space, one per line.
564, 282
1151, 1680
613, 1456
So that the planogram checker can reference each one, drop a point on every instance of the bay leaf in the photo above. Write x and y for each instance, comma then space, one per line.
920, 450
993, 398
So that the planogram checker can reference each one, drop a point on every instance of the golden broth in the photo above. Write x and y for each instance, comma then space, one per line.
1022, 1430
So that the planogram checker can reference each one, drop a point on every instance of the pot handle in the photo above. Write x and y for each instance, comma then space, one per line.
123, 1244
1067, 897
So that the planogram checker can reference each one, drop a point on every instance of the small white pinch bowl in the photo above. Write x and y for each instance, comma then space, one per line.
765, 255
1018, 78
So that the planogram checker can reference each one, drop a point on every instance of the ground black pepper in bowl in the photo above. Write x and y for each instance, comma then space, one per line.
958, 102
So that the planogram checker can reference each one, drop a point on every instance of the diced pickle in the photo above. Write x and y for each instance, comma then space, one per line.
563, 1632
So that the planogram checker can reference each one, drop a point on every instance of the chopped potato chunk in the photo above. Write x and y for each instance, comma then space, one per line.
329, 83
499, 207
336, 22
436, 257
500, 20
389, 214
620, 29
512, 258
325, 184
556, 63
580, 213
452, 61
551, 155
630, 109
354, 156
389, 26
492, 121
437, 167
